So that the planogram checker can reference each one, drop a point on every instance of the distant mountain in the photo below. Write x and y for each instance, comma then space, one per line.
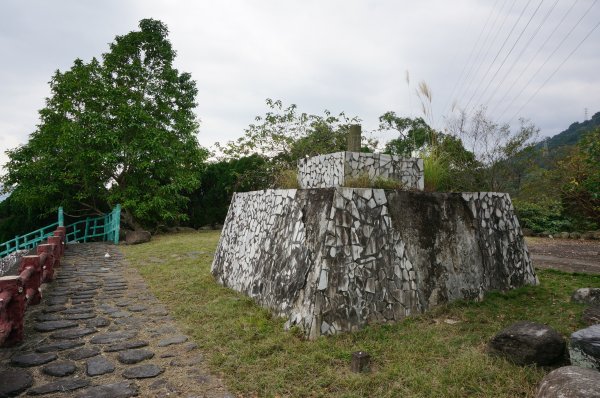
573, 134
556, 147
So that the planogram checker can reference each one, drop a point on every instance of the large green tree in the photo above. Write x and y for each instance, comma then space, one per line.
116, 130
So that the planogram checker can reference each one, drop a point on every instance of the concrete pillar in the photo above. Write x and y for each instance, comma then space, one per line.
354, 135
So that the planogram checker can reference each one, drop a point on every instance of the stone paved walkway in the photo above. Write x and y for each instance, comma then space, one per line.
100, 333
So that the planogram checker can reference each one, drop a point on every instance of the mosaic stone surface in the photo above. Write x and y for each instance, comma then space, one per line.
335, 259
332, 170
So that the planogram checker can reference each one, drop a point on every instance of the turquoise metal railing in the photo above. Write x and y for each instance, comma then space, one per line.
27, 241
105, 227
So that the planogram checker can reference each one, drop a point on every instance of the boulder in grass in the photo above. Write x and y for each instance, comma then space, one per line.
585, 347
528, 343
137, 237
587, 295
591, 315
570, 382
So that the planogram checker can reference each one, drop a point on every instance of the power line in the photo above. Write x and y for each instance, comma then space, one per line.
555, 70
497, 54
470, 56
518, 57
547, 59
464, 90
510, 51
522, 74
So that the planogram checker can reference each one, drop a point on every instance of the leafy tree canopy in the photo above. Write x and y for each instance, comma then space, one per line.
413, 134
116, 130
284, 135
581, 189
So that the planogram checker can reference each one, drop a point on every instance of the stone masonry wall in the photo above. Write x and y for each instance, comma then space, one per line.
333, 260
332, 170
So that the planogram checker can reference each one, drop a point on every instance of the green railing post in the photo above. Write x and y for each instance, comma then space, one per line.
61, 217
117, 222
85, 231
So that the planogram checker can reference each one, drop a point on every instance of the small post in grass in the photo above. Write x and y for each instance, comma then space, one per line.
361, 362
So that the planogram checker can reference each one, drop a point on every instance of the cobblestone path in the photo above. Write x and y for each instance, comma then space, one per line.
99, 332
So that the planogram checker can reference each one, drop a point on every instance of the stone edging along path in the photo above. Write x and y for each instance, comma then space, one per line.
99, 332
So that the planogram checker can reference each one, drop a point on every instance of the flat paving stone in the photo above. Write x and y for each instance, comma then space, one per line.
79, 317
163, 330
99, 365
124, 389
125, 345
82, 301
113, 337
60, 346
172, 340
79, 310
108, 309
14, 381
59, 293
57, 300
130, 357
54, 308
190, 346
72, 333
83, 353
60, 368
137, 308
48, 317
60, 386
84, 295
32, 359
49, 326
142, 371
120, 314
98, 322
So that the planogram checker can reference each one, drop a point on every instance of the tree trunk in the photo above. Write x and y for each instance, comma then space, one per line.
129, 221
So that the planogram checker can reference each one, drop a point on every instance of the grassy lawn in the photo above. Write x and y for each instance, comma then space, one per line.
423, 356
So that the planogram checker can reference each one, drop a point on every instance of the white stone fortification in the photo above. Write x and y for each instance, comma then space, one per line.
332, 170
333, 260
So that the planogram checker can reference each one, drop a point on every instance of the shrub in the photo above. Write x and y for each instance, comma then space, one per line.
547, 217
436, 171
287, 179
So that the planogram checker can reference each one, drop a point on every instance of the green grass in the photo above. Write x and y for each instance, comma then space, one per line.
423, 356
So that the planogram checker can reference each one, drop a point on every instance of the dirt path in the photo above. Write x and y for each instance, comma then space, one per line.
568, 255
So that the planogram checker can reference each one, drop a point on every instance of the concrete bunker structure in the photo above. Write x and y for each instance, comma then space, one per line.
333, 259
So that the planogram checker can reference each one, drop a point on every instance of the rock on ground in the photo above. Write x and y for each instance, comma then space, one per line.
570, 382
585, 347
591, 315
527, 343
587, 295
136, 237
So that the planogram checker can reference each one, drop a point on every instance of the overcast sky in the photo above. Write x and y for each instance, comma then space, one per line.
345, 55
